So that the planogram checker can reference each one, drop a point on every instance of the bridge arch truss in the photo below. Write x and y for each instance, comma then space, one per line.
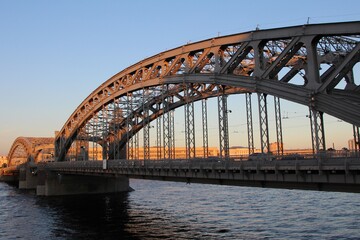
267, 62
30, 149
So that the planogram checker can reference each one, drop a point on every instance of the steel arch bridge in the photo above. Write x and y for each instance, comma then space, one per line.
266, 62
28, 149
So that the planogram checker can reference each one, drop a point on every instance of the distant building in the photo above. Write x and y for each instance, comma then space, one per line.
351, 145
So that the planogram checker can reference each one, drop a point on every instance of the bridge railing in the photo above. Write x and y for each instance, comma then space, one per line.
212, 164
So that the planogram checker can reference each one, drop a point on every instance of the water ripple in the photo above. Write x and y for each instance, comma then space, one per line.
166, 210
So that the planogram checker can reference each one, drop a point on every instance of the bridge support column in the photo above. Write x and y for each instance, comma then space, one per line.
27, 177
56, 184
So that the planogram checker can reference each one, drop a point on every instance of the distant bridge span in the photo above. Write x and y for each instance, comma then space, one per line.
27, 149
263, 62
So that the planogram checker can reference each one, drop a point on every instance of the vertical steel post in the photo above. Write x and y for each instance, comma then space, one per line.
249, 122
223, 123
317, 130
96, 132
146, 126
166, 123
158, 136
113, 122
92, 125
172, 130
356, 139
205, 128
117, 119
136, 141
279, 136
186, 131
130, 143
264, 126
189, 124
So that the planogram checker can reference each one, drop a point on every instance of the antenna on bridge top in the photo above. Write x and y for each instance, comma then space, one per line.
308, 20
257, 27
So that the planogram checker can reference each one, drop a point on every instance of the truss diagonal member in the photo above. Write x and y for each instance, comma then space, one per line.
340, 71
284, 57
201, 61
264, 126
235, 60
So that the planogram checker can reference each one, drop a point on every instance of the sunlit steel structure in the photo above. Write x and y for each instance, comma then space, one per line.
312, 65
262, 61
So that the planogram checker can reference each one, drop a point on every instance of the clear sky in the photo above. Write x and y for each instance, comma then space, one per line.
53, 54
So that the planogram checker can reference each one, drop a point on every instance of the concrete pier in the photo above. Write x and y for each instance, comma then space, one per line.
51, 183
28, 176
55, 184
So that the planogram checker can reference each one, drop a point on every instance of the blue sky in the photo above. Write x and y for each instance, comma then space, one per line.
55, 53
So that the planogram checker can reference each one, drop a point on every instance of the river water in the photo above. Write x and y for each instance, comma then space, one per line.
169, 210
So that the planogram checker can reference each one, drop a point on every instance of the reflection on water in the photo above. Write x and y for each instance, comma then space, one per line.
166, 210
88, 217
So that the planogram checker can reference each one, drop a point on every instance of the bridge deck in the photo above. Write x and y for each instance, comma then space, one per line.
341, 174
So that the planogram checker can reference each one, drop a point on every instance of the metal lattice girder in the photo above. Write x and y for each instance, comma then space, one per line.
356, 138
189, 124
223, 123
205, 128
249, 123
279, 137
263, 120
317, 130
245, 62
